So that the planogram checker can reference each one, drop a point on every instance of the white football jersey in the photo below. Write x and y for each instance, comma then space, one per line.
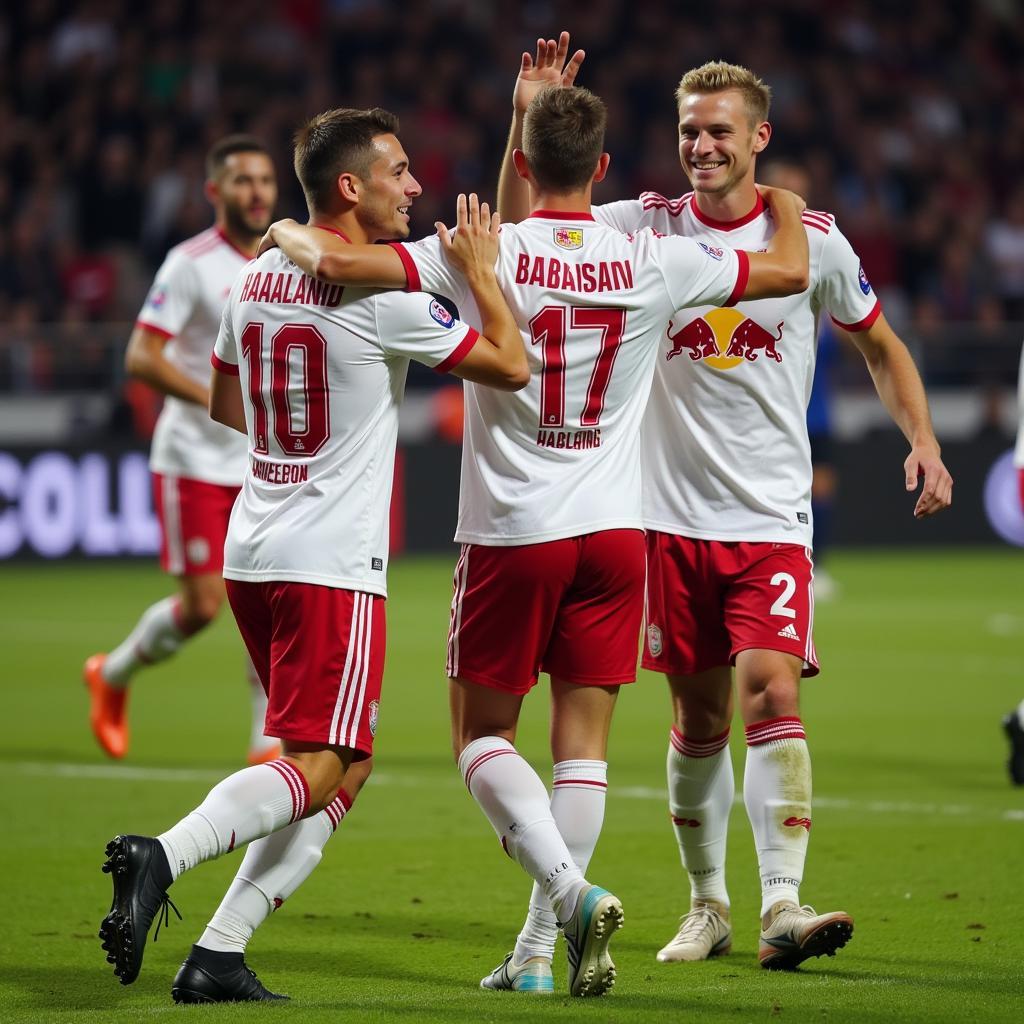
725, 449
561, 458
185, 305
1018, 452
322, 373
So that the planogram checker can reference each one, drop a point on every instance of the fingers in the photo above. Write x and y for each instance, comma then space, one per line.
572, 68
442, 233
461, 212
561, 49
937, 490
913, 471
526, 64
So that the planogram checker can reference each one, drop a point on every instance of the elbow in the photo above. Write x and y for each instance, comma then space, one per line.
520, 378
798, 281
133, 362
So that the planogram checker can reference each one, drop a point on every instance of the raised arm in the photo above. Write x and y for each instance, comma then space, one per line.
498, 358
324, 255
549, 67
145, 359
899, 386
783, 269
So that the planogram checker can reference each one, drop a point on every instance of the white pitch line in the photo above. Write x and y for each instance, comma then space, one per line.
129, 773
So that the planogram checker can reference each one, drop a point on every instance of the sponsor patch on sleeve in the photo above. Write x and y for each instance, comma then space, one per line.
713, 251
157, 297
862, 278
440, 314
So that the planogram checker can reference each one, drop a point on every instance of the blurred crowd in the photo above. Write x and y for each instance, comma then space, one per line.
906, 116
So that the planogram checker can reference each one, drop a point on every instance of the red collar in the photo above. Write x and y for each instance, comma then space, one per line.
728, 225
333, 231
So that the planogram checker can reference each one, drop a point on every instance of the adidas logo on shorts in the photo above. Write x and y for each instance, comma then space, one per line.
789, 632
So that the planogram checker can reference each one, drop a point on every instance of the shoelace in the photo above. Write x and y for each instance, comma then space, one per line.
163, 914
695, 922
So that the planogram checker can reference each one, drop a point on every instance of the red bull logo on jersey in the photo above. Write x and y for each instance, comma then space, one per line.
724, 339
569, 238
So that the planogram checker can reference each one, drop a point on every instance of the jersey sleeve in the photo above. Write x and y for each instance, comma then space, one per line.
225, 351
697, 274
843, 288
625, 215
172, 297
418, 327
427, 270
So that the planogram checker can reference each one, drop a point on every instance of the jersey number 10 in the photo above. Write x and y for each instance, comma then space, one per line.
301, 416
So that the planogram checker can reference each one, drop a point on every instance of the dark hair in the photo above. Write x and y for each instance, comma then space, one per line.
334, 142
563, 137
228, 146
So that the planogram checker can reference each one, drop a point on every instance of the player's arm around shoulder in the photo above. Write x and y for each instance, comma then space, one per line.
899, 386
498, 358
329, 257
785, 268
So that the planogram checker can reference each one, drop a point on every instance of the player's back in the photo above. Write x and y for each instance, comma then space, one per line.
322, 374
561, 457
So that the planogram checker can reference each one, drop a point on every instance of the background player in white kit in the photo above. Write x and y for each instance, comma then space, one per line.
551, 572
726, 470
314, 375
197, 465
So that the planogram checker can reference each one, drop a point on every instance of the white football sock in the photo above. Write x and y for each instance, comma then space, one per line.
777, 793
271, 870
577, 805
247, 805
258, 741
700, 794
516, 803
156, 636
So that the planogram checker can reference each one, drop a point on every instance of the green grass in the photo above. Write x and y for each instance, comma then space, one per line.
917, 832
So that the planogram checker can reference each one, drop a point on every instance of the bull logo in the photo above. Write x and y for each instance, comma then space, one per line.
724, 339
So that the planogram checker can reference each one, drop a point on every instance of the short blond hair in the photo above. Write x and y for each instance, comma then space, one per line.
719, 76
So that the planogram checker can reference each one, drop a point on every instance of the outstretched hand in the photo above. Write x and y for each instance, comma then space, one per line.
549, 67
937, 492
474, 246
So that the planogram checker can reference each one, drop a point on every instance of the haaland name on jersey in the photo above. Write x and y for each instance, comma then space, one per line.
297, 289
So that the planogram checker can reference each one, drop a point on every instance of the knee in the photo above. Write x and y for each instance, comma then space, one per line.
198, 610
771, 697
356, 776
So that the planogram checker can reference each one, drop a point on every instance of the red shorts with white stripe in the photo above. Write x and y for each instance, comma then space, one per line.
319, 652
571, 608
708, 600
193, 524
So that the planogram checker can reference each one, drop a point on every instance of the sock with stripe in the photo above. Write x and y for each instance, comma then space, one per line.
577, 805
156, 636
516, 803
777, 793
700, 794
258, 741
271, 870
248, 805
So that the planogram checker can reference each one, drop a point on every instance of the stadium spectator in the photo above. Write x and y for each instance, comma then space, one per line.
729, 567
198, 465
306, 552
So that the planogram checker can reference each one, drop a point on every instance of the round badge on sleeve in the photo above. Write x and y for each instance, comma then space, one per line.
1002, 499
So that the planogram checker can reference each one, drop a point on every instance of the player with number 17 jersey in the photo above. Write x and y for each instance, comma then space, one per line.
561, 458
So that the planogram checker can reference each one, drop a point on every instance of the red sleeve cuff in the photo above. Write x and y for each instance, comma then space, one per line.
162, 331
412, 275
460, 352
742, 276
861, 325
219, 364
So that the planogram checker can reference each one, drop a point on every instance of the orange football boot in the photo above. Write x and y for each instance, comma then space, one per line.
106, 713
264, 754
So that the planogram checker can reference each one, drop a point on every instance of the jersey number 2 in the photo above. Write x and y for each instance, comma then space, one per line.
547, 329
301, 417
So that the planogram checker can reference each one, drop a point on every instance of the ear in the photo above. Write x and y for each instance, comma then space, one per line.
602, 167
520, 164
211, 191
349, 187
762, 135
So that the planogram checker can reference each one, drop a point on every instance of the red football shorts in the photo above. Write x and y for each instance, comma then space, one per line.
571, 608
319, 652
708, 600
193, 524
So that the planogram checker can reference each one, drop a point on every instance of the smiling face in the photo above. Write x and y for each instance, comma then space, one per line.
246, 190
717, 142
387, 191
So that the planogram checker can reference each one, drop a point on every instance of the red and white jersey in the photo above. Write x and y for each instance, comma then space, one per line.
725, 449
1018, 452
322, 372
185, 305
561, 458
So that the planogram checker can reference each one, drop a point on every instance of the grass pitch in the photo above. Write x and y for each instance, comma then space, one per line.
917, 832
